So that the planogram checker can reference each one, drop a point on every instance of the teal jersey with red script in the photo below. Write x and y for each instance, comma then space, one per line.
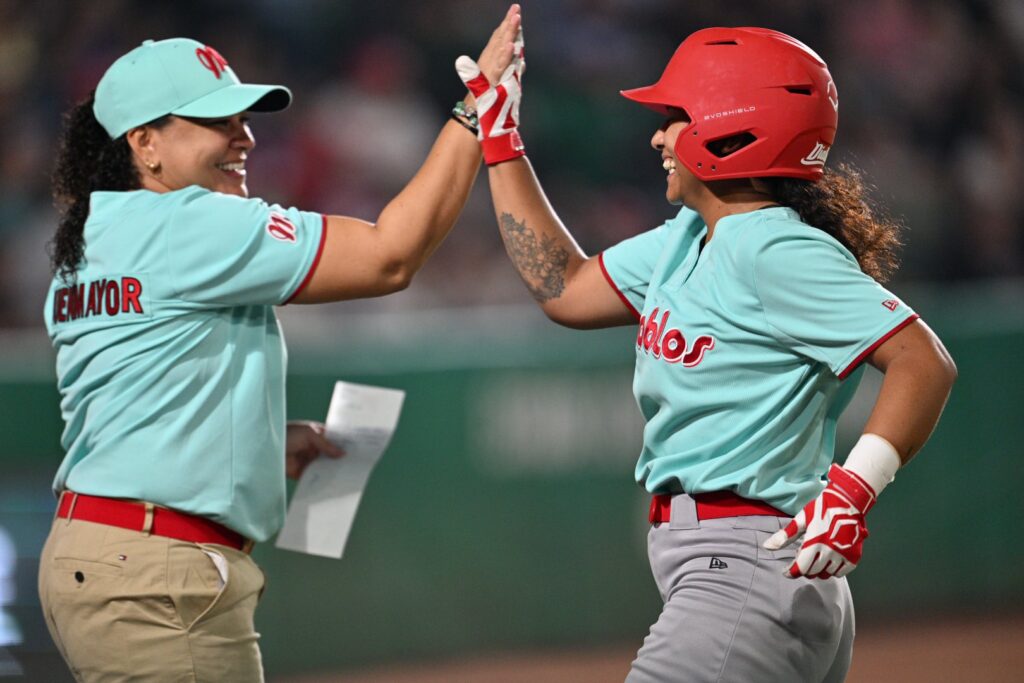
170, 360
747, 350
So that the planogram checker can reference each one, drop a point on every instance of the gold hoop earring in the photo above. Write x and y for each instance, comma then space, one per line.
154, 167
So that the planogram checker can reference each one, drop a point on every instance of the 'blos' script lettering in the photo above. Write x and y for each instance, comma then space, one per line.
655, 337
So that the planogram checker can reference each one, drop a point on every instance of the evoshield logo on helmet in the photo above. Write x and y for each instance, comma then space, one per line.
730, 112
817, 156
212, 60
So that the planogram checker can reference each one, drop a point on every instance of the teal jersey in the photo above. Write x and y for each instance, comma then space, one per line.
747, 351
170, 360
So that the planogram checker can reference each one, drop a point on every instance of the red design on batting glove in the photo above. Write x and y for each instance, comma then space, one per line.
834, 525
497, 106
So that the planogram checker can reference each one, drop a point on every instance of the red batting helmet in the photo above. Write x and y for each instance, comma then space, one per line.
761, 84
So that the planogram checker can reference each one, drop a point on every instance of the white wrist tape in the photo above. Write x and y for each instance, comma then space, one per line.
874, 460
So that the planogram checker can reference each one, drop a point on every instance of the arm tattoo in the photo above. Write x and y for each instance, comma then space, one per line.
541, 264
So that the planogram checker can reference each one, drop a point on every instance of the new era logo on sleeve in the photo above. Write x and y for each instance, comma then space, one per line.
891, 304
280, 228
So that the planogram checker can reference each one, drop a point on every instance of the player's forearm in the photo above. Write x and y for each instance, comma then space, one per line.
540, 247
418, 219
914, 391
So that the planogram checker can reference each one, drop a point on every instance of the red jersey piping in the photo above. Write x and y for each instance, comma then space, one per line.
868, 351
615, 288
316, 261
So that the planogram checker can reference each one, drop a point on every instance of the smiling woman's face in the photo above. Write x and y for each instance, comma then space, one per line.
210, 153
680, 181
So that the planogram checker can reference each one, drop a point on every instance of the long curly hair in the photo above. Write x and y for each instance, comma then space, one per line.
88, 160
839, 204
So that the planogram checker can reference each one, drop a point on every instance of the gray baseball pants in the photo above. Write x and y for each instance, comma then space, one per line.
730, 616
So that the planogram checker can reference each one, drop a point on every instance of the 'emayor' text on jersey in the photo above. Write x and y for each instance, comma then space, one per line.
98, 297
669, 344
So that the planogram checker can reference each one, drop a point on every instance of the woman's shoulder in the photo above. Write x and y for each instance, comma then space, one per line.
132, 209
142, 211
105, 204
758, 230
208, 199
776, 239
185, 196
783, 245
192, 204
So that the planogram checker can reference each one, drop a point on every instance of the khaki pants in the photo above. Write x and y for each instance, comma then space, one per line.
125, 606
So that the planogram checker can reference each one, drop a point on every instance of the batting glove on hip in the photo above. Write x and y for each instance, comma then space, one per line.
834, 526
833, 523
497, 106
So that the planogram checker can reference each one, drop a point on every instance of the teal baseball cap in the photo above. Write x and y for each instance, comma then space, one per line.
176, 76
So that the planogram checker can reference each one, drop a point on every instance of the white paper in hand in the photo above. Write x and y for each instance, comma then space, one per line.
361, 419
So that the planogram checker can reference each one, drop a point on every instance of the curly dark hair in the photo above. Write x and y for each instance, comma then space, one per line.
88, 160
839, 204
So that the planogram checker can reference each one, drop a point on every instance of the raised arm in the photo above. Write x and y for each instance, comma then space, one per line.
362, 259
565, 283
569, 287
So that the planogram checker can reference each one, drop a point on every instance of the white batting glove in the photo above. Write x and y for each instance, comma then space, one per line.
834, 521
497, 106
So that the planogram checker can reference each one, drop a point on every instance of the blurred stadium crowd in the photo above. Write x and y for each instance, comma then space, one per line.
931, 92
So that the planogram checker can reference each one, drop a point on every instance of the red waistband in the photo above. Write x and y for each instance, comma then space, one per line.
160, 521
715, 505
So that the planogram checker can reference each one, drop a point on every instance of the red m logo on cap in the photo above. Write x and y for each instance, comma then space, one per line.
212, 60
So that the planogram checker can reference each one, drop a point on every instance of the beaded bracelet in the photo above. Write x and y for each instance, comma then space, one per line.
468, 113
467, 117
465, 124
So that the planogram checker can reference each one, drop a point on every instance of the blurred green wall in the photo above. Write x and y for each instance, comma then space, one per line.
504, 516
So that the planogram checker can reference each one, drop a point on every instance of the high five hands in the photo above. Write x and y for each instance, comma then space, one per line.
498, 92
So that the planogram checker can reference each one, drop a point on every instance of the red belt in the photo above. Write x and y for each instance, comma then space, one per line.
715, 505
159, 521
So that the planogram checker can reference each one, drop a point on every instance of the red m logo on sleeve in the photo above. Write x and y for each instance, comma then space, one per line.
280, 228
